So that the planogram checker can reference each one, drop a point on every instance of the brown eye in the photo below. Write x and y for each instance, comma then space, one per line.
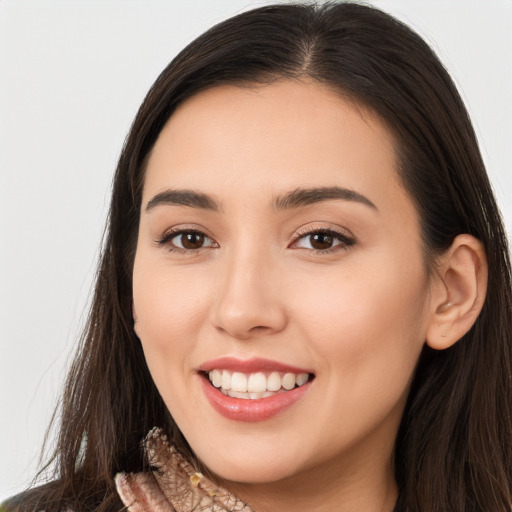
191, 240
321, 241
188, 240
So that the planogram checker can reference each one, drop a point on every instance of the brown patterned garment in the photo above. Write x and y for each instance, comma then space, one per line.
174, 485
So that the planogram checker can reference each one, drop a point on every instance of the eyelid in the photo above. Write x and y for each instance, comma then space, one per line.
345, 238
343, 235
164, 240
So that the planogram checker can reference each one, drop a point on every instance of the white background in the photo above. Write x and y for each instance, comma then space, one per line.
72, 74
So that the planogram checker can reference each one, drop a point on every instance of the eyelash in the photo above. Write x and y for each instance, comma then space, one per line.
166, 238
344, 241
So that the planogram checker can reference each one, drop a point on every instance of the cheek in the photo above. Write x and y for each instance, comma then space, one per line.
369, 315
366, 332
170, 308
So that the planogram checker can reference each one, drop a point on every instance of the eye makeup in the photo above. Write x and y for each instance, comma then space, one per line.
322, 240
316, 240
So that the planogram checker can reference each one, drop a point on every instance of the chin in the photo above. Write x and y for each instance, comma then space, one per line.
254, 466
250, 473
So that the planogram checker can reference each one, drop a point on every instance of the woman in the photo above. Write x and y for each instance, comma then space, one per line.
305, 286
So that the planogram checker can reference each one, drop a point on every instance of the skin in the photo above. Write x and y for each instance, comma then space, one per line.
357, 315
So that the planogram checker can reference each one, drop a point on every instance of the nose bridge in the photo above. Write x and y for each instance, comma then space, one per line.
248, 303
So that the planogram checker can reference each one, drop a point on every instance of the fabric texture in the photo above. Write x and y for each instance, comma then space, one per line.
173, 485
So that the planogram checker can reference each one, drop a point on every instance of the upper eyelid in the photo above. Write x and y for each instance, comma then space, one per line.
304, 231
165, 238
301, 232
176, 230
343, 235
165, 241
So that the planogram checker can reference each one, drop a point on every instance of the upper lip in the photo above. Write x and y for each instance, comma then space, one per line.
250, 365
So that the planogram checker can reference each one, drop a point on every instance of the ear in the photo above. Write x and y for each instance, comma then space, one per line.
458, 293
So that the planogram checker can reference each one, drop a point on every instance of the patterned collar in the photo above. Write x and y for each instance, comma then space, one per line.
173, 485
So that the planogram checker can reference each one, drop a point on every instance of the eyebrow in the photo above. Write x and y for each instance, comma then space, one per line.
306, 196
184, 198
294, 199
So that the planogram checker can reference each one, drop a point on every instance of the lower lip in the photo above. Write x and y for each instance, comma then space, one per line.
260, 409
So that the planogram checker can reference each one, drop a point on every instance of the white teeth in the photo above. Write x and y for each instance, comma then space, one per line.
301, 379
239, 382
274, 382
226, 379
288, 381
216, 378
255, 385
236, 394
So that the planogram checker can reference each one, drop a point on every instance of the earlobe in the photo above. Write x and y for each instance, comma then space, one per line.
459, 294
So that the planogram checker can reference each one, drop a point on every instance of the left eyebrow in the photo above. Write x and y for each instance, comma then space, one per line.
306, 196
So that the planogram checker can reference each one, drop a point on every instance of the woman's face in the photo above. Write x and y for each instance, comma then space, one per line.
278, 250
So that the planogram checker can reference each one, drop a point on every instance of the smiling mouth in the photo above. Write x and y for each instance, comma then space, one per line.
253, 386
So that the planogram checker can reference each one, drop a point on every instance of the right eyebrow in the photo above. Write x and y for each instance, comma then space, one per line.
184, 198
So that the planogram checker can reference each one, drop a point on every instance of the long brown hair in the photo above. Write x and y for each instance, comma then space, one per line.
454, 447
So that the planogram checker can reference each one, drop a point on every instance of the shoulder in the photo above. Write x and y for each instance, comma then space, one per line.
18, 503
29, 500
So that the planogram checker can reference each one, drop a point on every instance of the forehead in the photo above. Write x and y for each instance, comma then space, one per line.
270, 139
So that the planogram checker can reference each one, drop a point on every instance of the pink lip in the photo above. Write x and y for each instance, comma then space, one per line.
240, 409
249, 366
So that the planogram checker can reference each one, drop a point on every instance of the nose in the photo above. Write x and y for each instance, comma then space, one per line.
249, 301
